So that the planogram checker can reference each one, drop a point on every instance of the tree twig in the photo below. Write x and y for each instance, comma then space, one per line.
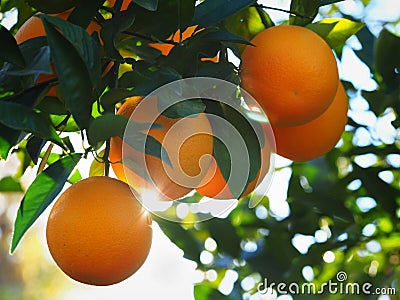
150, 39
283, 10
264, 20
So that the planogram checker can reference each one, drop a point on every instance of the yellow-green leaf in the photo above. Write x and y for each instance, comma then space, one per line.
335, 31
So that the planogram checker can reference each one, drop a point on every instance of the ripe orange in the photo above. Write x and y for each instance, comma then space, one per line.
317, 137
291, 72
97, 232
185, 140
33, 27
124, 5
176, 37
215, 186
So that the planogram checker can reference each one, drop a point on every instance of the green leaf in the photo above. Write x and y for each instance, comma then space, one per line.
247, 23
37, 56
335, 31
147, 144
225, 36
386, 58
105, 127
20, 117
73, 74
167, 16
181, 237
41, 193
97, 167
147, 4
75, 177
86, 46
8, 184
181, 109
9, 50
113, 96
241, 129
155, 80
327, 2
112, 29
8, 138
84, 12
222, 70
228, 239
211, 12
186, 12
303, 11
34, 146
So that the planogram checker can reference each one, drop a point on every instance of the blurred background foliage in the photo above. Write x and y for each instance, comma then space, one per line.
340, 213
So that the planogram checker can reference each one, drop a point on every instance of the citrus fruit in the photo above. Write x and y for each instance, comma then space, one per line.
52, 6
291, 72
187, 141
317, 137
97, 232
215, 186
124, 5
33, 27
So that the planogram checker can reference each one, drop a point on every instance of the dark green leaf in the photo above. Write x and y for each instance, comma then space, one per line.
386, 58
73, 74
326, 2
112, 29
186, 12
155, 80
303, 11
147, 4
105, 127
181, 237
222, 231
9, 50
37, 56
28, 97
8, 138
52, 7
20, 117
84, 12
87, 47
222, 70
146, 144
160, 23
41, 193
8, 184
226, 36
245, 153
181, 109
52, 105
211, 12
34, 146
113, 96
367, 40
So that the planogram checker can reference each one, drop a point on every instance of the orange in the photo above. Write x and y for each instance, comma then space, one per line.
124, 5
97, 232
185, 140
215, 186
176, 37
33, 27
317, 137
291, 72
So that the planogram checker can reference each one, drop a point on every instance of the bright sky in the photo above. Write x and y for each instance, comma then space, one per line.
166, 274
